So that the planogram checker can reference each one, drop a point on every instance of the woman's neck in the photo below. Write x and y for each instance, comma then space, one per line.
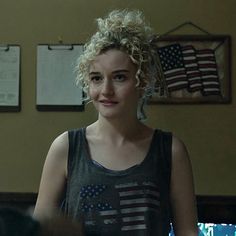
119, 131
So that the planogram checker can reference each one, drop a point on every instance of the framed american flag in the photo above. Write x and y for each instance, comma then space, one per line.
194, 69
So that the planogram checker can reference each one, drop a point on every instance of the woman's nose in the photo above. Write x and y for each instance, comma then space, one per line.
107, 88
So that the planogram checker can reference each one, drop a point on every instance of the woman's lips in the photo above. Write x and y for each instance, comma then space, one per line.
108, 102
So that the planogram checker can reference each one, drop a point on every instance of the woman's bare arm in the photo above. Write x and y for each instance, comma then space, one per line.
182, 192
53, 179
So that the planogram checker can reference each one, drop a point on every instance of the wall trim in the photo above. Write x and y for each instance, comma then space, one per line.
211, 209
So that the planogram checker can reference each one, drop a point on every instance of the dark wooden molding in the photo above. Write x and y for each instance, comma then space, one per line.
217, 209
211, 209
18, 200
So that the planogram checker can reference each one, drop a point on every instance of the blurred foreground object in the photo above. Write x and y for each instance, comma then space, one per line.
15, 223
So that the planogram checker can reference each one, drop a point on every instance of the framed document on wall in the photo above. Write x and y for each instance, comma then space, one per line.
56, 88
9, 78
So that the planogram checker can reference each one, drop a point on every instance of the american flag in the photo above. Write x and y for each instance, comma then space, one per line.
186, 67
135, 200
173, 67
191, 67
209, 74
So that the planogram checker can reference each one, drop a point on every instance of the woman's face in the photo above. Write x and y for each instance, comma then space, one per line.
112, 84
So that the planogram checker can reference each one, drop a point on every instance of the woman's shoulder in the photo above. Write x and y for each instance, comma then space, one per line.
178, 146
180, 155
59, 148
61, 140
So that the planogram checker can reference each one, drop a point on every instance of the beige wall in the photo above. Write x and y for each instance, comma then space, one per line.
208, 130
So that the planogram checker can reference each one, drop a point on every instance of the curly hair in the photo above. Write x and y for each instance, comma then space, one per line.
127, 31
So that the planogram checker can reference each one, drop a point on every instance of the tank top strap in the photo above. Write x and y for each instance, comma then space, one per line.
76, 145
164, 156
76, 141
164, 150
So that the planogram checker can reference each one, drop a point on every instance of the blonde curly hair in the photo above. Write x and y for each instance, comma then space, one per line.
127, 31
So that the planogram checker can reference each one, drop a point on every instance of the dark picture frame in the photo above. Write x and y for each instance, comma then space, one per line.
10, 78
194, 69
56, 89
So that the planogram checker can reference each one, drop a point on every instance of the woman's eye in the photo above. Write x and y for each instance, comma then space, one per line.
96, 79
120, 77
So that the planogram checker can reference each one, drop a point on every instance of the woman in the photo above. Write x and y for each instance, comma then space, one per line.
120, 176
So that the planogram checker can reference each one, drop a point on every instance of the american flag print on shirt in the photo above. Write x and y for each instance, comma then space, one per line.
135, 200
191, 68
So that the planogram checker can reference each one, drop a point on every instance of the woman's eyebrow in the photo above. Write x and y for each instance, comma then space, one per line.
113, 72
120, 71
94, 73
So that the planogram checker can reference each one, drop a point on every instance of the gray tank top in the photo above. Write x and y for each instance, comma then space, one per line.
134, 201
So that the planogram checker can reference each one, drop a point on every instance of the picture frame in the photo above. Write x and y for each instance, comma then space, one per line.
56, 88
10, 78
193, 69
